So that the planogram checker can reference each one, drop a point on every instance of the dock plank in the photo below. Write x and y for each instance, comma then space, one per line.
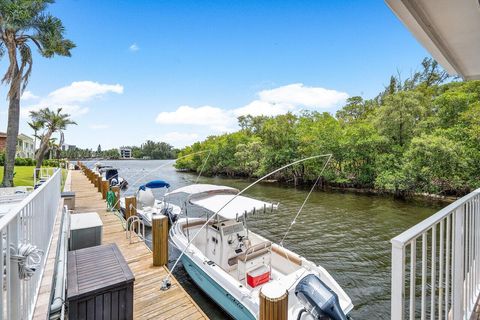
149, 301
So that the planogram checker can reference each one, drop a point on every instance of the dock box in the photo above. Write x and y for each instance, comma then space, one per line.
100, 284
85, 230
69, 199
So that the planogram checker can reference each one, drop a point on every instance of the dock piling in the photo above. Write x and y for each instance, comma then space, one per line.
99, 183
273, 302
130, 207
160, 240
105, 187
116, 191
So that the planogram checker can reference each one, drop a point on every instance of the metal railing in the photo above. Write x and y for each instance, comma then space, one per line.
436, 264
42, 174
30, 222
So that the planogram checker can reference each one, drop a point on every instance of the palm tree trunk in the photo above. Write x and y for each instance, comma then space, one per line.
13, 113
11, 143
42, 150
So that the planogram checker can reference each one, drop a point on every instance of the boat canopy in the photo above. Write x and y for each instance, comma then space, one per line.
235, 208
200, 190
155, 184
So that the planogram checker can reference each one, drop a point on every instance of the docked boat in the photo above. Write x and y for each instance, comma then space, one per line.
111, 174
232, 264
148, 205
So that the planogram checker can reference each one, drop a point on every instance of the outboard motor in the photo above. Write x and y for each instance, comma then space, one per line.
319, 300
112, 176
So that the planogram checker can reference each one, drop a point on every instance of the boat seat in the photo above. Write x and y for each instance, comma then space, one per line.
251, 253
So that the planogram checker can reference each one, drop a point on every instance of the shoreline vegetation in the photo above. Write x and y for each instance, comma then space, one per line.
418, 137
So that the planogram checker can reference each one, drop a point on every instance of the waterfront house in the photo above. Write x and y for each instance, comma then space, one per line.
125, 153
25, 145
3, 140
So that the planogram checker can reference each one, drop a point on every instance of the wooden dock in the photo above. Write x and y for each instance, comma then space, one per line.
149, 301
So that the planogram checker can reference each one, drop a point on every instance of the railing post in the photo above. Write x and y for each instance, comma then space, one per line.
160, 240
398, 281
458, 263
14, 298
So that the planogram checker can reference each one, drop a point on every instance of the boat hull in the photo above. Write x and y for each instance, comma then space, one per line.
216, 292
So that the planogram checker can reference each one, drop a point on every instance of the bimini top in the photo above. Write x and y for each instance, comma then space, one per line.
203, 190
235, 208
155, 184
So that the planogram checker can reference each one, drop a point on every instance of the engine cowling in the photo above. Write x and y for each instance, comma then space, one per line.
318, 299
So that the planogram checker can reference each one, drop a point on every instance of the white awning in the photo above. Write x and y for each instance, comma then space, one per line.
449, 30
236, 208
199, 190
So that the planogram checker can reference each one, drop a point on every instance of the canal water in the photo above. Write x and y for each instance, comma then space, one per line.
346, 233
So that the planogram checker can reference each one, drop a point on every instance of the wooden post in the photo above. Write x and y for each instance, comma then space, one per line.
99, 183
160, 240
116, 190
130, 207
105, 186
273, 302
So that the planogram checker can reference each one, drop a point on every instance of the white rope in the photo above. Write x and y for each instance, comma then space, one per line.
305, 201
28, 257
166, 281
203, 166
155, 169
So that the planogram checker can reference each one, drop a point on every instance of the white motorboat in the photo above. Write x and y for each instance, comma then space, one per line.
232, 264
111, 174
147, 205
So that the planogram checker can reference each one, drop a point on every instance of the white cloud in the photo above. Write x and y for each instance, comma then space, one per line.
216, 118
290, 98
265, 108
99, 126
298, 95
82, 91
180, 139
71, 98
28, 95
134, 47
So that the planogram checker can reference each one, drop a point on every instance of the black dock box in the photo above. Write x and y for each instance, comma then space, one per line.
100, 284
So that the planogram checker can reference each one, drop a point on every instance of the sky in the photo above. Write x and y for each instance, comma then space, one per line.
179, 71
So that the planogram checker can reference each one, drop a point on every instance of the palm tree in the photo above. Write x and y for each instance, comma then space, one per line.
23, 23
53, 121
53, 148
36, 126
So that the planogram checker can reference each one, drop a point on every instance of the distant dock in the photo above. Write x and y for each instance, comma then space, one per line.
149, 301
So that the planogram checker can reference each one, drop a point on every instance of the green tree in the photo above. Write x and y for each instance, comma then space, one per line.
23, 23
398, 116
53, 121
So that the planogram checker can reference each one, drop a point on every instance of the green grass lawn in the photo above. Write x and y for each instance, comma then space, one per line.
24, 175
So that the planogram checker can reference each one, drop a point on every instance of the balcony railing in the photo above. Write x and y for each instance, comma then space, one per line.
29, 223
436, 264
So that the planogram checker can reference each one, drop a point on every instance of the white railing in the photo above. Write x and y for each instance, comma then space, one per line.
42, 174
30, 222
436, 264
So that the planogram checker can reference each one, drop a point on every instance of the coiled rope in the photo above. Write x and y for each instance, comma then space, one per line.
28, 258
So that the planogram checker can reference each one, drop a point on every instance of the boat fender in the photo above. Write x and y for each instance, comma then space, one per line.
318, 299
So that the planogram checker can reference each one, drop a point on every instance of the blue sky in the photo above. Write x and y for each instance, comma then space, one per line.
178, 71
